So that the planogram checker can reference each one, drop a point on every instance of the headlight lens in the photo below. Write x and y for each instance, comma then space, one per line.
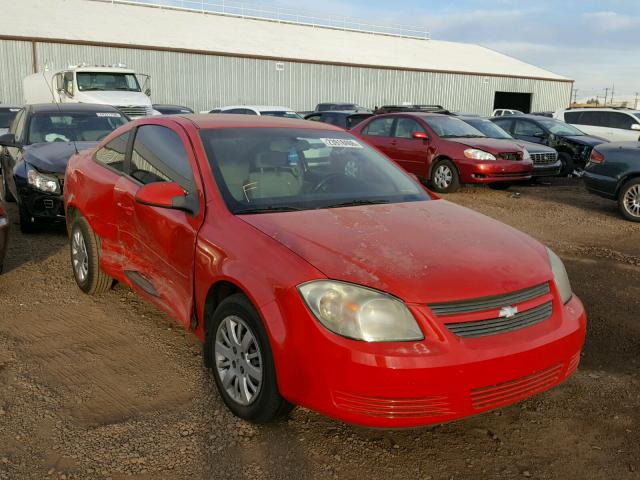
476, 154
526, 155
360, 313
560, 276
42, 182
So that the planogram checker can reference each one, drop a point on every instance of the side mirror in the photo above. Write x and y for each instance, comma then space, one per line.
420, 135
635, 126
166, 195
59, 83
147, 92
9, 140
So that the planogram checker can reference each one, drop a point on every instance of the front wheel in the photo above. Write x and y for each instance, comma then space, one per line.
85, 259
444, 177
567, 164
242, 362
629, 200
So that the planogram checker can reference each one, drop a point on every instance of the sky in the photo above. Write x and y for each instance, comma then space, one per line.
596, 43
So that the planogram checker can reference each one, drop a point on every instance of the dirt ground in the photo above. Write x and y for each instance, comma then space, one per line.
109, 387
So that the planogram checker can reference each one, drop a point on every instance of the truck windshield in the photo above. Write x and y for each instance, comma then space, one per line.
276, 169
73, 126
107, 81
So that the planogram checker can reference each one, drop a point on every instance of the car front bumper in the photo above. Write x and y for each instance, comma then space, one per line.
439, 379
547, 169
40, 205
494, 171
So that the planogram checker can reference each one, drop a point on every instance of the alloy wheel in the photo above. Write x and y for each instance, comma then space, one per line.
631, 201
238, 360
443, 176
79, 256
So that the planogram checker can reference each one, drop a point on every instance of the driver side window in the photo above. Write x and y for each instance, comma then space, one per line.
528, 129
159, 156
113, 153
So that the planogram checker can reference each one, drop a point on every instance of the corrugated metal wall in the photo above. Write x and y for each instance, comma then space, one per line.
206, 81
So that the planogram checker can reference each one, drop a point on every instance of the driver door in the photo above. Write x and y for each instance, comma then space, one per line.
159, 242
529, 131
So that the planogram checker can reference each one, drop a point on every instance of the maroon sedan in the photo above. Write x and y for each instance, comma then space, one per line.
445, 150
4, 234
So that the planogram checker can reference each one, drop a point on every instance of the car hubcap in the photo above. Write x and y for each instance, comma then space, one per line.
632, 200
238, 360
443, 176
79, 256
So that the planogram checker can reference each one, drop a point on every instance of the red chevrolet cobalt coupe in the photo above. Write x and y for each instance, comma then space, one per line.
445, 150
318, 273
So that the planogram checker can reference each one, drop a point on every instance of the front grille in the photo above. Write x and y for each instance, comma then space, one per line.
544, 158
513, 156
489, 303
435, 406
133, 111
493, 326
513, 390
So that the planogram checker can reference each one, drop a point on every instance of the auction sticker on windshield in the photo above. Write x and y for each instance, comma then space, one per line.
341, 142
108, 114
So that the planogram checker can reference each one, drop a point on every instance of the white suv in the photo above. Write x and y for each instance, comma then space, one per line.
612, 124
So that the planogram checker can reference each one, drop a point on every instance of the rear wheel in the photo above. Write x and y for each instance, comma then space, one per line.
85, 259
242, 362
444, 177
629, 200
567, 164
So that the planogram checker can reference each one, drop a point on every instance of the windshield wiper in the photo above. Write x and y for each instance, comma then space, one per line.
355, 203
268, 209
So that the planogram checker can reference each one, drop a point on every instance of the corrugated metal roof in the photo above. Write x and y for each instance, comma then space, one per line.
104, 22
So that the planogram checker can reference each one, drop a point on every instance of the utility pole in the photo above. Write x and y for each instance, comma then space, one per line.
575, 96
637, 94
606, 93
612, 90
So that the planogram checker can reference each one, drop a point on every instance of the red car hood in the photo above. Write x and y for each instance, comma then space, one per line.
422, 252
491, 145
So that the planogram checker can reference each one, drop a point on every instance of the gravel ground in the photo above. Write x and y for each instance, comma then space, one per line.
109, 387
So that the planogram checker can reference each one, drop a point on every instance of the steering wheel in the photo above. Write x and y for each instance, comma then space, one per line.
326, 181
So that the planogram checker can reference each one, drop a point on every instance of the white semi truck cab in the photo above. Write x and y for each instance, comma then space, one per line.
108, 85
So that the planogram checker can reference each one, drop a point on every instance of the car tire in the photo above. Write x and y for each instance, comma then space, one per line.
629, 200
500, 185
28, 224
7, 196
445, 177
567, 164
242, 366
84, 248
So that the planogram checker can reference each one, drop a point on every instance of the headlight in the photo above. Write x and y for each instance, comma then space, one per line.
42, 182
476, 154
526, 155
360, 313
560, 276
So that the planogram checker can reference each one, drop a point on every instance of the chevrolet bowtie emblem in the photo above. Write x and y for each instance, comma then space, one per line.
508, 312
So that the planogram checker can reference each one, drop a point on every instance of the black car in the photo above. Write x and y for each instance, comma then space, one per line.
4, 234
7, 114
613, 172
545, 159
35, 151
343, 119
339, 106
572, 145
411, 108
543, 114
172, 109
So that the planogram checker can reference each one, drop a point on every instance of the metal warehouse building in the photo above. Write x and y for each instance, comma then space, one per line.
204, 59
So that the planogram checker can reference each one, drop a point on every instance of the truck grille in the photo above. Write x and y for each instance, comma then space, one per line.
513, 156
134, 111
544, 158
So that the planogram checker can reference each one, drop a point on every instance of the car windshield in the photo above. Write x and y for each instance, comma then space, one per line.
450, 127
7, 115
280, 113
107, 81
559, 128
274, 169
489, 128
76, 126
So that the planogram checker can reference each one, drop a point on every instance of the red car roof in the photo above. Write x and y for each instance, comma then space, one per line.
208, 121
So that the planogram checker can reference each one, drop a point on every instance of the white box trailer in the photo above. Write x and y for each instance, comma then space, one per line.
106, 85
